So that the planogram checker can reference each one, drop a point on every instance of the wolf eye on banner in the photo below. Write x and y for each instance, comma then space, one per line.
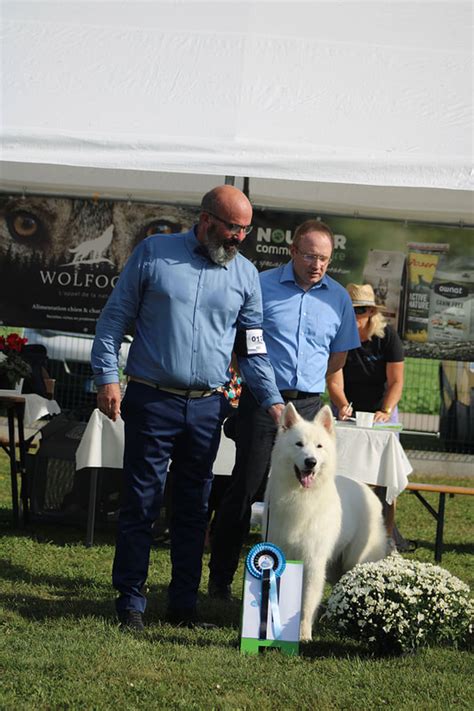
60, 259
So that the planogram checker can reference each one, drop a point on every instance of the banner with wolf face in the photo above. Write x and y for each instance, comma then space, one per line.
60, 257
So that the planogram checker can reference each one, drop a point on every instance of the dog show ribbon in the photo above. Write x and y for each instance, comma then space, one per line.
266, 562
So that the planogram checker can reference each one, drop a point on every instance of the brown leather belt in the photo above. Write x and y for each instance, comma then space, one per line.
176, 391
297, 395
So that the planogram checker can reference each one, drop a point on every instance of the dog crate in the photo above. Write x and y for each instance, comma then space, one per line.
60, 494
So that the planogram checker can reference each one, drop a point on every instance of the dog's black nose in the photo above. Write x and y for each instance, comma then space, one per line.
310, 462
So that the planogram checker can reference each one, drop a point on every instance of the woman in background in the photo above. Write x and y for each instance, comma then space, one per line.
372, 378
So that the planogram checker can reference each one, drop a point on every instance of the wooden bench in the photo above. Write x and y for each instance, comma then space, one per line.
442, 490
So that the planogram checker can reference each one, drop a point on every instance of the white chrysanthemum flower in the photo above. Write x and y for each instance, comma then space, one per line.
399, 605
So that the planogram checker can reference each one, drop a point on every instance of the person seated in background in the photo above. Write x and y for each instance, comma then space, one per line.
372, 377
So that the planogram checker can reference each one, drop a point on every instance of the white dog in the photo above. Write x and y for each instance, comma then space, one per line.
330, 523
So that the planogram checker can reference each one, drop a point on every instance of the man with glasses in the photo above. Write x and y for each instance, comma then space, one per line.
191, 298
308, 326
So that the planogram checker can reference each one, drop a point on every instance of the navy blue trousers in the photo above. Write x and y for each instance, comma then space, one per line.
160, 426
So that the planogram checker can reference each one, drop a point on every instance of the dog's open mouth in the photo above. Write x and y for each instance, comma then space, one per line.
305, 476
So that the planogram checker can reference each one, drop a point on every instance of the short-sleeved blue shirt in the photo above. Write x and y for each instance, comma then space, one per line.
302, 328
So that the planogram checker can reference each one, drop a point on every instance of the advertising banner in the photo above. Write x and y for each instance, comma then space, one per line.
385, 271
421, 266
377, 251
451, 314
60, 259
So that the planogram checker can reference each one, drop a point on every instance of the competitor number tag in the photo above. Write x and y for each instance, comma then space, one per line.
255, 342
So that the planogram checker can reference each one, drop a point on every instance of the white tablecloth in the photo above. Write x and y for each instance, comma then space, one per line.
373, 456
101, 444
35, 405
368, 455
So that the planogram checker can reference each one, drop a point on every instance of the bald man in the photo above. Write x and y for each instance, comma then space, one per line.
192, 298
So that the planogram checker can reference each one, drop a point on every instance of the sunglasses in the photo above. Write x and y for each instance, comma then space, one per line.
361, 309
231, 226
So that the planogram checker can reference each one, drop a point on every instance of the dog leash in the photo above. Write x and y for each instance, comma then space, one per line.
265, 538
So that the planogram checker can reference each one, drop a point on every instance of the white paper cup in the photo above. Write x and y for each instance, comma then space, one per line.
364, 419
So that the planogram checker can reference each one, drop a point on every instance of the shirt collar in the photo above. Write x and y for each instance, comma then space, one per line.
288, 274
191, 241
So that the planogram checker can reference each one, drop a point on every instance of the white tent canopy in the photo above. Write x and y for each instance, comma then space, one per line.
353, 105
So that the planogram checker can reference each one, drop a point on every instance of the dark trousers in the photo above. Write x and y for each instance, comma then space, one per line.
159, 425
255, 434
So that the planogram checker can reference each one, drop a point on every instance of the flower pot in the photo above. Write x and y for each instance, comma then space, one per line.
5, 384
19, 385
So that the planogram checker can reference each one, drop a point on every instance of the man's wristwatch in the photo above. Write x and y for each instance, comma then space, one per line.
387, 410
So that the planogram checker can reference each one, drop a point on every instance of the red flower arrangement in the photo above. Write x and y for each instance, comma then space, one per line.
12, 365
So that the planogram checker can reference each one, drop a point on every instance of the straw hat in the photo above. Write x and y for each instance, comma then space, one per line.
362, 295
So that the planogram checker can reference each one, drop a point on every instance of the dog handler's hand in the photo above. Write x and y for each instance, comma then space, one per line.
275, 412
108, 400
345, 412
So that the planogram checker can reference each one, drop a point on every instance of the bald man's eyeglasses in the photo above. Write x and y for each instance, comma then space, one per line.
231, 226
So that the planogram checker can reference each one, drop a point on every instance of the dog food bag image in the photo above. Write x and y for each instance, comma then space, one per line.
384, 270
421, 266
451, 316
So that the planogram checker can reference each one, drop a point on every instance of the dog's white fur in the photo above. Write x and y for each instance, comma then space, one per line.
330, 523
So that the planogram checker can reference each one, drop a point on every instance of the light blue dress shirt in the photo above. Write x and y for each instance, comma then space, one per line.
184, 311
302, 328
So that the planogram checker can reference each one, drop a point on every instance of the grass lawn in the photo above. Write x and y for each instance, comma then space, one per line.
60, 647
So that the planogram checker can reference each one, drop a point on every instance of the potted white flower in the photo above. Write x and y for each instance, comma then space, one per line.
396, 606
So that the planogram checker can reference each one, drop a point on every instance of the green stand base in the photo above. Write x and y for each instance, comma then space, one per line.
249, 645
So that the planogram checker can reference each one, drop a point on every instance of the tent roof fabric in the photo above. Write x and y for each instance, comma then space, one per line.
351, 92
405, 203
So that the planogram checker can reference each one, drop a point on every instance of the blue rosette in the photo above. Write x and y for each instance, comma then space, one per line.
266, 562
265, 556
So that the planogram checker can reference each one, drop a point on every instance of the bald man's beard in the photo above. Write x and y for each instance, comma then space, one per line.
221, 251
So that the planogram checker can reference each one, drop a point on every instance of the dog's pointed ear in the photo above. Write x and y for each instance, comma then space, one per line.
289, 417
326, 419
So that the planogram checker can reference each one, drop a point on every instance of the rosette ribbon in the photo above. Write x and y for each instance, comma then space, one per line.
266, 562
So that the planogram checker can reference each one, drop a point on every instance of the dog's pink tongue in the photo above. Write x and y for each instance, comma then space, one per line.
306, 480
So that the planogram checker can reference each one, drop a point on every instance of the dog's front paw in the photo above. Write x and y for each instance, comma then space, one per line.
305, 631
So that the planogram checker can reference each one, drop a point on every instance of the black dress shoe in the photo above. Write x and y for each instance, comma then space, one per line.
218, 591
186, 617
131, 620
407, 546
